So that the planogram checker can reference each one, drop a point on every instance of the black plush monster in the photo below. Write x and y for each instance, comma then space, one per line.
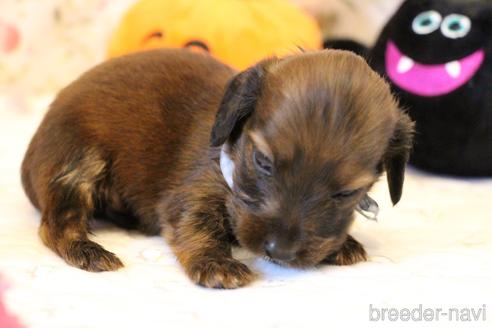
437, 54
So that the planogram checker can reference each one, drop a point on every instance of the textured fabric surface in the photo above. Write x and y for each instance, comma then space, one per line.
433, 249
46, 44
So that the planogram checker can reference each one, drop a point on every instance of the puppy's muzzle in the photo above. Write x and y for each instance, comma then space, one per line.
281, 251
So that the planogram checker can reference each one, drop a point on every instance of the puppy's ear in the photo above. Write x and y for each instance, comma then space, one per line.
239, 102
397, 155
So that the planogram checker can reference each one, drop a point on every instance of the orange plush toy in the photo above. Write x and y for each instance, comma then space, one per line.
238, 32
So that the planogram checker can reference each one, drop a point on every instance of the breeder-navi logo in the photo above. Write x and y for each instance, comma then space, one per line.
428, 314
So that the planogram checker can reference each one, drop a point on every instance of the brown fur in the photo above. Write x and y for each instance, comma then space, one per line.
129, 141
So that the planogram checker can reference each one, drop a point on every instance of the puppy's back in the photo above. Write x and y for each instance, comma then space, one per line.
134, 111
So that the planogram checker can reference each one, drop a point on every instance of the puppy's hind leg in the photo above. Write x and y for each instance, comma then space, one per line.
68, 205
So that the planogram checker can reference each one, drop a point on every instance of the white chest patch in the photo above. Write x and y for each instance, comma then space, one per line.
227, 167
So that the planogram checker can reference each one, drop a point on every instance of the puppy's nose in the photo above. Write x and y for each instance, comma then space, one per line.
279, 251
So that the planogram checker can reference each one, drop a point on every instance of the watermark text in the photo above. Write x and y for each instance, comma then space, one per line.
421, 313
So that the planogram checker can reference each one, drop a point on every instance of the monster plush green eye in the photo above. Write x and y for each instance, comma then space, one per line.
456, 26
427, 22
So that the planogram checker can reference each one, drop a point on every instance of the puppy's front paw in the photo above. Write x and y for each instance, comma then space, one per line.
220, 273
351, 252
90, 256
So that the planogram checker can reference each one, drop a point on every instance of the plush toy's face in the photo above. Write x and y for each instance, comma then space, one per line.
434, 48
238, 33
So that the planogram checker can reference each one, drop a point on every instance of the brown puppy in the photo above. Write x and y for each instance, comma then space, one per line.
300, 141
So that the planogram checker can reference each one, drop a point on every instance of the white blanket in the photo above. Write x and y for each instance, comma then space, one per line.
433, 249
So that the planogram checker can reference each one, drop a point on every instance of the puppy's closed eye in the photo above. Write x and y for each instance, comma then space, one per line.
346, 194
262, 163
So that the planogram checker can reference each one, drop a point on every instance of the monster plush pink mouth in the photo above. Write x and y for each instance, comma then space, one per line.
430, 80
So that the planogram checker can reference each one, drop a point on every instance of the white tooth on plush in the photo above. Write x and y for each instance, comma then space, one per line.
405, 64
454, 69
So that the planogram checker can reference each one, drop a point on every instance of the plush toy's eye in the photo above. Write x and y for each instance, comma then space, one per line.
456, 26
197, 45
262, 163
427, 22
155, 35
